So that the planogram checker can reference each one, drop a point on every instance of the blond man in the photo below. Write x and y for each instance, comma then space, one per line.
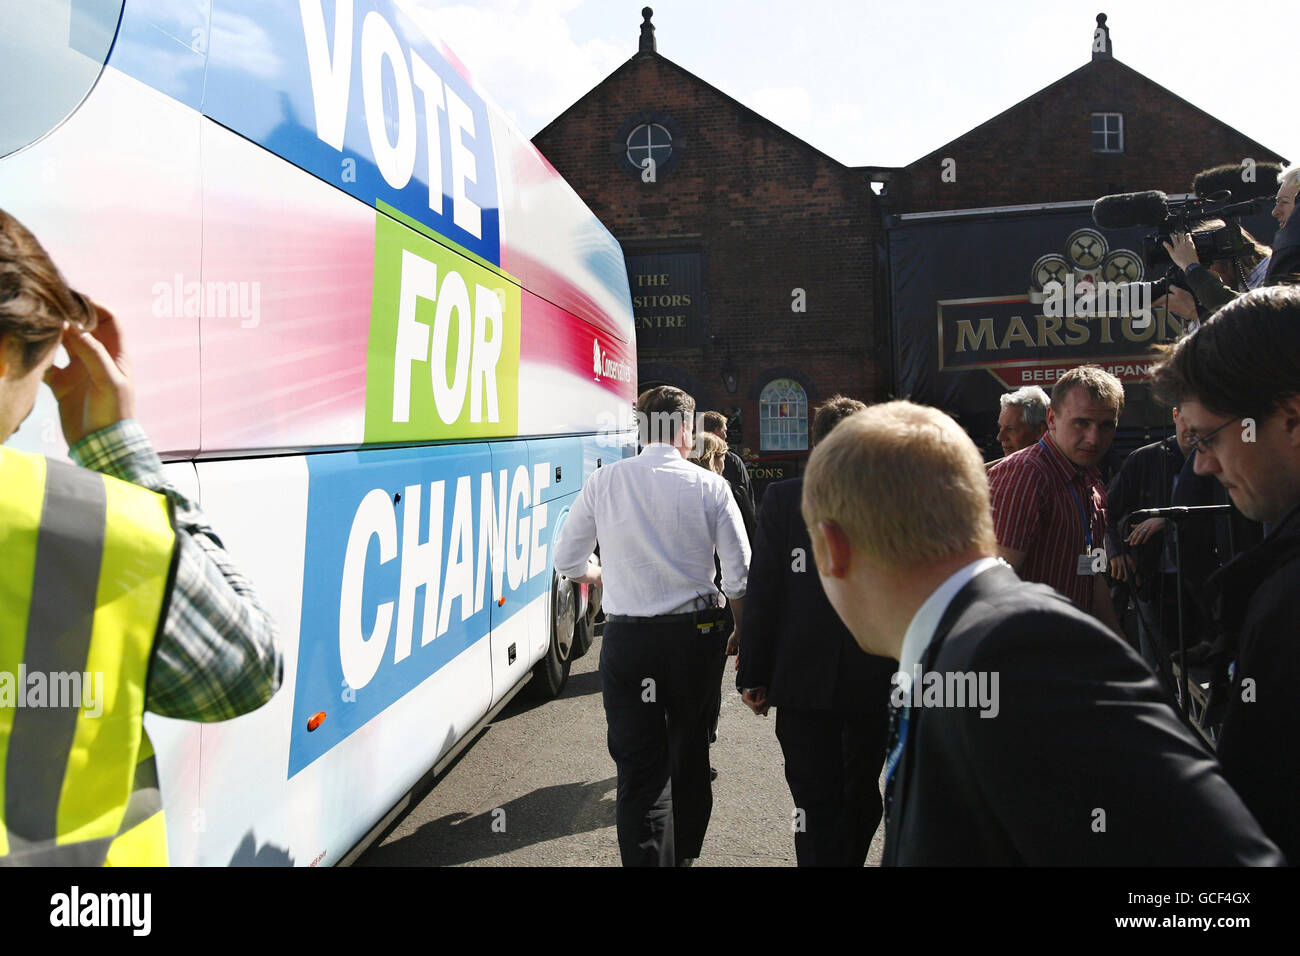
1008, 748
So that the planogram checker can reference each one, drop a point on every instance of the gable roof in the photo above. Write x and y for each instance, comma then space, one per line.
639, 56
1093, 65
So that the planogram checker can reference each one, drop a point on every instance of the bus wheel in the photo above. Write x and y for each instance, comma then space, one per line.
552, 672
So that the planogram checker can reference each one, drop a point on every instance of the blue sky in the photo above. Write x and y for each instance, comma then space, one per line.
883, 84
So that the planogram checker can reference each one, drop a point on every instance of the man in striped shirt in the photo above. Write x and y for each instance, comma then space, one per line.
1049, 503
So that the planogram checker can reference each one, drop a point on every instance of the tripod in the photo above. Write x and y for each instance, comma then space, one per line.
1174, 517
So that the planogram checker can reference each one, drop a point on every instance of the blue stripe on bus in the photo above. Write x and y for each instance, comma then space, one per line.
246, 65
363, 642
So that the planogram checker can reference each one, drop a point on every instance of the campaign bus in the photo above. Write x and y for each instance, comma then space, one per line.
373, 333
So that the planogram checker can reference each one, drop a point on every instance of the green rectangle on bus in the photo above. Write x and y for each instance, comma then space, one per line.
443, 355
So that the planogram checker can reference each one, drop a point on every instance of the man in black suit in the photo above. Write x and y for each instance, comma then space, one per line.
1027, 733
1237, 381
831, 700
1142, 556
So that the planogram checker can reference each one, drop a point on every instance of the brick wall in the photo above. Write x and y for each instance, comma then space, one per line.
1040, 150
769, 214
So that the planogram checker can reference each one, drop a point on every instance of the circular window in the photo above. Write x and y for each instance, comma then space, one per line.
648, 135
649, 140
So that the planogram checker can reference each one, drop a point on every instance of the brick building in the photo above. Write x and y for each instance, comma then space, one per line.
751, 254
758, 264
1103, 128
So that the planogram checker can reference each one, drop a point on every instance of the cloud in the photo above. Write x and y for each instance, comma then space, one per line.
522, 54
245, 44
837, 128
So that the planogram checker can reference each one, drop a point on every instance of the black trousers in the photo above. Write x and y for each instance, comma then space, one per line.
654, 679
832, 764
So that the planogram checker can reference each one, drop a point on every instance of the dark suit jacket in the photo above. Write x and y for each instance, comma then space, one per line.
791, 641
1145, 480
737, 475
1260, 742
1081, 729
1208, 544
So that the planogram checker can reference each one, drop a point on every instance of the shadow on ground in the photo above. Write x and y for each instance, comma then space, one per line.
544, 814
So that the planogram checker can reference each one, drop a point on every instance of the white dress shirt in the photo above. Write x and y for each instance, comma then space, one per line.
658, 519
920, 632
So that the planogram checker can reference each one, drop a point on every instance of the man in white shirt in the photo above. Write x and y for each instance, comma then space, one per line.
659, 519
1024, 731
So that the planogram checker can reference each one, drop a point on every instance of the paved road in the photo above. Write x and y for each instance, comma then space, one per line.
537, 789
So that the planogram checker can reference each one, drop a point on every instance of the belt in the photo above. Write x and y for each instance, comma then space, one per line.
661, 619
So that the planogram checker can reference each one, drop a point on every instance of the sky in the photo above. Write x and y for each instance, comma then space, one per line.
883, 84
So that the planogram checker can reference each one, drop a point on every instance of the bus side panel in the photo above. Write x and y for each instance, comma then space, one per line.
554, 243
382, 676
260, 510
524, 634
113, 196
573, 377
289, 261
353, 93
165, 45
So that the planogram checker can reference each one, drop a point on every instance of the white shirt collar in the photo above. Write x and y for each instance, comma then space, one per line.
661, 449
926, 619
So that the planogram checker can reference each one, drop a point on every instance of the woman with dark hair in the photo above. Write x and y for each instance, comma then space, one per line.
108, 571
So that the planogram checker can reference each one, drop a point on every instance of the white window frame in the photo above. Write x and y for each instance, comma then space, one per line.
783, 416
1107, 132
649, 148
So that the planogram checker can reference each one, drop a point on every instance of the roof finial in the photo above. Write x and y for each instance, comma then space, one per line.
1101, 39
647, 31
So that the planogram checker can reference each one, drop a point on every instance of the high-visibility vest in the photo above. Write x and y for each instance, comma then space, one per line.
85, 570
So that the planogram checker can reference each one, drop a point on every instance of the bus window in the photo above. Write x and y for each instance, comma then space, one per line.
51, 53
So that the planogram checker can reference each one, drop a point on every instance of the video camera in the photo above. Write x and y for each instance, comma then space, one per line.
1224, 192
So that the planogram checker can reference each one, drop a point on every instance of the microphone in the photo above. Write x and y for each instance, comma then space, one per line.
1232, 178
1150, 208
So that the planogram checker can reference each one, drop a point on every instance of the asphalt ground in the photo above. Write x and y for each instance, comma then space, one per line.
537, 789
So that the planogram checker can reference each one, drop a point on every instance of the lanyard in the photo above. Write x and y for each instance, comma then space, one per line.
1083, 515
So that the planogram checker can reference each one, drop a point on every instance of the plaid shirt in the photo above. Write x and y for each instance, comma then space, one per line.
218, 655
1037, 495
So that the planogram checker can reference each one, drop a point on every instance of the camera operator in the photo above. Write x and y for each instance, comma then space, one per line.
1215, 285
1180, 302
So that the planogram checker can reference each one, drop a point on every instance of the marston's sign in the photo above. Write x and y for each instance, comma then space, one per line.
1018, 345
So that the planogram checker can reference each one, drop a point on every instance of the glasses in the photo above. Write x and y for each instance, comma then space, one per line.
1204, 444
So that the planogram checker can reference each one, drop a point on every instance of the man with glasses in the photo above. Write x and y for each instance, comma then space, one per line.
1236, 381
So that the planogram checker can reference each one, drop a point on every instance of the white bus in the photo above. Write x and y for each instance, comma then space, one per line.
374, 333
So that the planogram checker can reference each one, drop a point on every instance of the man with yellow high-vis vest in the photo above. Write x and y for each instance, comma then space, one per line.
107, 574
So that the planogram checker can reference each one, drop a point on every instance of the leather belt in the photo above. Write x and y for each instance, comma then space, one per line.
661, 619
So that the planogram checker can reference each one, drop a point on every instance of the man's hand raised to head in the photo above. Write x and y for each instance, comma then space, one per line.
94, 390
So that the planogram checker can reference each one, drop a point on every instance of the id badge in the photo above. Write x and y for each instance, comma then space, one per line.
1085, 565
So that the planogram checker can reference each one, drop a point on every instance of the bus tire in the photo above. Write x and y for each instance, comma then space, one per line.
551, 673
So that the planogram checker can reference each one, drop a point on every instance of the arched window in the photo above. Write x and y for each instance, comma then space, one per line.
783, 416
